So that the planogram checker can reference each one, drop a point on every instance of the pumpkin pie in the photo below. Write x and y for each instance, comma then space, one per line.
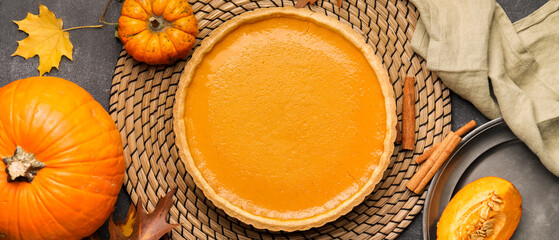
285, 118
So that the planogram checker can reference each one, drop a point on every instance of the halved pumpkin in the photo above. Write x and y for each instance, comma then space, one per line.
488, 208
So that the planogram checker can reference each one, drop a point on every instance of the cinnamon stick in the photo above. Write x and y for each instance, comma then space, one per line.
426, 154
408, 114
460, 132
466, 128
414, 182
438, 162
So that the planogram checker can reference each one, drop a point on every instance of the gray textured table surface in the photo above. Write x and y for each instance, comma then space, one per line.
96, 52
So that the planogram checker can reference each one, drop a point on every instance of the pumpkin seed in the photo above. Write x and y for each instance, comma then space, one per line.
479, 224
495, 206
484, 226
484, 212
488, 224
496, 198
476, 236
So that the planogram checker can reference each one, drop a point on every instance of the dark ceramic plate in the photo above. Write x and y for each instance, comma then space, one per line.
493, 150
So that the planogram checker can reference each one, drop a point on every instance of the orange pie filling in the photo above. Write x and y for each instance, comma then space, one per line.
285, 118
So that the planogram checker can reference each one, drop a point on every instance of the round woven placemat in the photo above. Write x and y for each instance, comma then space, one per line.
142, 99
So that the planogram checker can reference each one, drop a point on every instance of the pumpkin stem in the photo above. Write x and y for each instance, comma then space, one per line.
22, 166
156, 24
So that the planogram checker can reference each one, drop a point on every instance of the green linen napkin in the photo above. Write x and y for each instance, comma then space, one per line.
506, 70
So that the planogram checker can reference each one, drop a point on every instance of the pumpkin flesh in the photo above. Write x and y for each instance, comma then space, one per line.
68, 131
488, 208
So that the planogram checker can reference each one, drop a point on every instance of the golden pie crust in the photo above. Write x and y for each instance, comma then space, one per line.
304, 159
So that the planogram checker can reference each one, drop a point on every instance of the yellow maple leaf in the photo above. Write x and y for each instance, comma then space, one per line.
46, 39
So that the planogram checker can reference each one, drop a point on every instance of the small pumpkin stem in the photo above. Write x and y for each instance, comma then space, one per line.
155, 23
22, 166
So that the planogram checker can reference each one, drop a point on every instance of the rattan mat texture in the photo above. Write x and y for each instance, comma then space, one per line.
142, 99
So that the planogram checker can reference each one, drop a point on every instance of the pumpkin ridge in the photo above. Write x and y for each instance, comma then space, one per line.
72, 147
27, 204
67, 206
167, 4
137, 39
147, 3
146, 43
71, 161
62, 151
177, 44
16, 128
3, 138
154, 47
44, 206
176, 8
127, 5
131, 43
105, 178
17, 203
128, 19
190, 33
136, 34
172, 40
170, 52
32, 119
184, 31
16, 131
57, 181
39, 149
11, 119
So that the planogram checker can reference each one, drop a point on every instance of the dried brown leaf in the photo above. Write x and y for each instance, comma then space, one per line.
145, 226
123, 229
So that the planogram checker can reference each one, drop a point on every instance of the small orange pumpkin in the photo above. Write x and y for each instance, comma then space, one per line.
62, 161
157, 31
488, 208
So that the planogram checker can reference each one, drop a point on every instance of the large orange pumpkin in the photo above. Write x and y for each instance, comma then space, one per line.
157, 32
62, 162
